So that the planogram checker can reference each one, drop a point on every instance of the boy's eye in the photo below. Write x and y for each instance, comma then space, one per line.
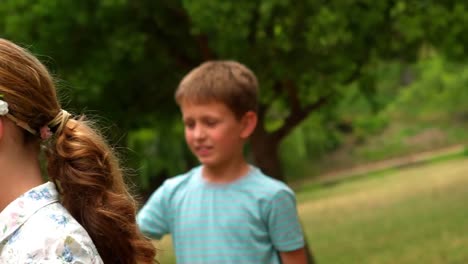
189, 124
211, 123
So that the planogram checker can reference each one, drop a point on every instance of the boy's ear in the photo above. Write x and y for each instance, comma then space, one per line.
249, 122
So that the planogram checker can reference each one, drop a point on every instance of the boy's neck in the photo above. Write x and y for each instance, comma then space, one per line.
227, 173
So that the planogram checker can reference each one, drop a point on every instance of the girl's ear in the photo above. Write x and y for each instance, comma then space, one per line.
249, 122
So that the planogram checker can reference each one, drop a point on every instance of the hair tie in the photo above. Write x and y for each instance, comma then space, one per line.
58, 122
45, 132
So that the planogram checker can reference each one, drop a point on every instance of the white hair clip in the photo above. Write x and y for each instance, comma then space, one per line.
3, 106
4, 112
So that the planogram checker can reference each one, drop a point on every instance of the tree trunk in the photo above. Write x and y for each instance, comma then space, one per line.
406, 75
265, 153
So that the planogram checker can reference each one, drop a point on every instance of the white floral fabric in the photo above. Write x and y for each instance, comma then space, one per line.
36, 228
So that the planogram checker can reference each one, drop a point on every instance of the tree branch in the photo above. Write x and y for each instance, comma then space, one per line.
297, 116
204, 47
253, 25
181, 58
293, 95
201, 39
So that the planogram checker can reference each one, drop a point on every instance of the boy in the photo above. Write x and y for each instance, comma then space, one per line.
224, 211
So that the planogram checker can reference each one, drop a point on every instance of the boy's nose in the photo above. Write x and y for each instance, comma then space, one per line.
199, 133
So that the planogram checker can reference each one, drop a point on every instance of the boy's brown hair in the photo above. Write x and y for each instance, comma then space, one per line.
228, 82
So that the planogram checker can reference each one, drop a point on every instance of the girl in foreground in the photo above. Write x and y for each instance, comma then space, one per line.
84, 213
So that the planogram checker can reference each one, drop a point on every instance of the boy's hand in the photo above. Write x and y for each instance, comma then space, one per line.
294, 257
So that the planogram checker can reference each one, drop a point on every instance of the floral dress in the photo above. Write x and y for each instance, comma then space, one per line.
36, 228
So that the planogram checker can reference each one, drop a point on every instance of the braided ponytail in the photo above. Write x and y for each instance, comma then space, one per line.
94, 192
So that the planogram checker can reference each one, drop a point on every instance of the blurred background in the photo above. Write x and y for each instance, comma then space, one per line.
364, 105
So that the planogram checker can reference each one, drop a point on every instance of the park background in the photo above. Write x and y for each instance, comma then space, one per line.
364, 105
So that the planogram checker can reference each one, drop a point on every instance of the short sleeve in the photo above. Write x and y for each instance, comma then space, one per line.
153, 217
283, 222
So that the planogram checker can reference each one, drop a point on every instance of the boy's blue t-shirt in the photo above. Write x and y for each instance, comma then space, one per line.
246, 221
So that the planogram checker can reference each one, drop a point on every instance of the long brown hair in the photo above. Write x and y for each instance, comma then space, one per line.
80, 162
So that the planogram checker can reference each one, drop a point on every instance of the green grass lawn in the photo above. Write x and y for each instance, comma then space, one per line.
412, 215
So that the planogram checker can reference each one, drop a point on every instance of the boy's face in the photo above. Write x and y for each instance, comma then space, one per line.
213, 133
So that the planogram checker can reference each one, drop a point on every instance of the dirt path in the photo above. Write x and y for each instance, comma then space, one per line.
381, 165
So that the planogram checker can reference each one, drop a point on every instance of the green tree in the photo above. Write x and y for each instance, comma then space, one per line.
305, 53
124, 58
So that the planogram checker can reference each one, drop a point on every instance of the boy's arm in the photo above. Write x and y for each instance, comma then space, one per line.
153, 218
294, 257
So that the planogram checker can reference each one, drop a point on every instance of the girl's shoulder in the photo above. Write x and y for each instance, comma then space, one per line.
52, 233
